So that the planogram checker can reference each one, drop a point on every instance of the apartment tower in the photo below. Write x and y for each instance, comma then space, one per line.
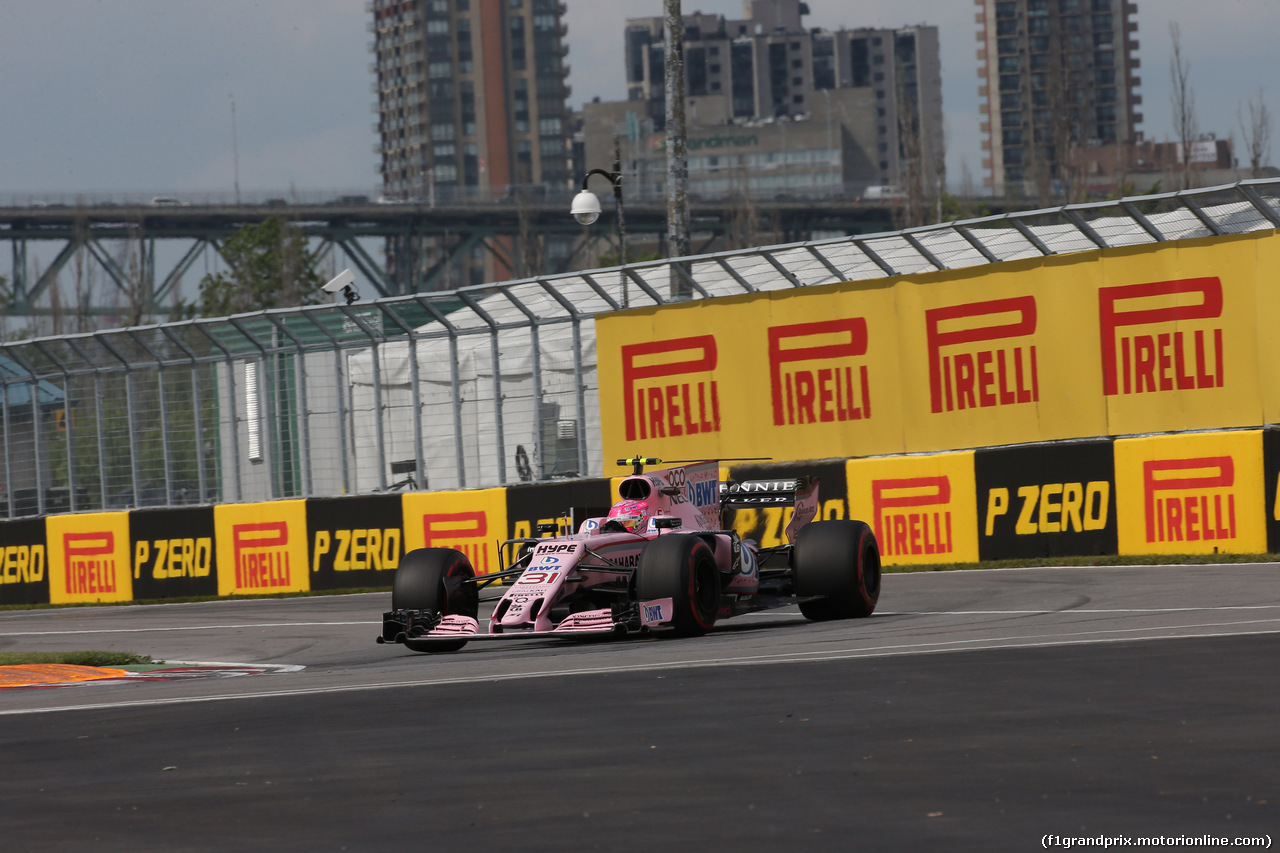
471, 101
1058, 76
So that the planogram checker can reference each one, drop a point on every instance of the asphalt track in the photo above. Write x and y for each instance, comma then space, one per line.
980, 710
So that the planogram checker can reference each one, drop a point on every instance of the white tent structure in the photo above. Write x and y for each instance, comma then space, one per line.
504, 409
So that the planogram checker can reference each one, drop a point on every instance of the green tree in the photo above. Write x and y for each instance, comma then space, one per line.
270, 267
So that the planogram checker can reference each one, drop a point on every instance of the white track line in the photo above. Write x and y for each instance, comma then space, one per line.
1027, 642
790, 614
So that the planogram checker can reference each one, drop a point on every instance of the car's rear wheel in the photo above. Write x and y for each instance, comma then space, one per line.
436, 580
837, 566
682, 568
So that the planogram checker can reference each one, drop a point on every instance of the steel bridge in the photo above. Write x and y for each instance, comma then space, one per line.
345, 228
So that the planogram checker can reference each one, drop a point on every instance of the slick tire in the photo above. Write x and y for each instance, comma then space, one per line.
837, 566
682, 568
435, 579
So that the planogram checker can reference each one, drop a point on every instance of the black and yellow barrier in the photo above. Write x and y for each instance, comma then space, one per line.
1186, 493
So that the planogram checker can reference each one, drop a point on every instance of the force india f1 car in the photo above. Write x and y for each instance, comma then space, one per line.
661, 559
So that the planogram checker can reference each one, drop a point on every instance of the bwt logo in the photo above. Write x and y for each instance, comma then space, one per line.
1160, 361
453, 530
90, 562
1184, 499
902, 521
261, 554
988, 377
662, 410
813, 394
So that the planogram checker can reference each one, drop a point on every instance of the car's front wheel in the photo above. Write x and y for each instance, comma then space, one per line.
683, 568
437, 580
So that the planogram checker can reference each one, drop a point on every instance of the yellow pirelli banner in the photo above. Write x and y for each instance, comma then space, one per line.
473, 522
262, 547
89, 558
1200, 493
1145, 339
922, 508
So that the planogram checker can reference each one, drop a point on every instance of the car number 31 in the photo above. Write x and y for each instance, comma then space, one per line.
536, 577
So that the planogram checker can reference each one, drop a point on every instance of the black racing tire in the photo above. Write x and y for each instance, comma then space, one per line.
839, 561
683, 568
436, 580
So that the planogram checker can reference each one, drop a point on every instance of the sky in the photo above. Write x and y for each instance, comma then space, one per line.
134, 97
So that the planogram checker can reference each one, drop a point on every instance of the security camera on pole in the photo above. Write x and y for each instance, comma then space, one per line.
586, 209
343, 283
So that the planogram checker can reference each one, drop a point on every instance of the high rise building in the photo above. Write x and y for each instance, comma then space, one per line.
471, 101
768, 66
1058, 76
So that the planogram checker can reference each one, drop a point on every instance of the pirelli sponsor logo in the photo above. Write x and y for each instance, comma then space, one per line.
467, 532
1194, 493
1189, 500
1152, 341
981, 354
668, 391
90, 563
261, 553
913, 515
814, 375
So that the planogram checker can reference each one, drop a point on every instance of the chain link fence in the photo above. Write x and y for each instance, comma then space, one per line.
479, 387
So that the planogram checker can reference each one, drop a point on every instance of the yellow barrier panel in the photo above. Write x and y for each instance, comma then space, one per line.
995, 356
1268, 309
262, 548
472, 522
1191, 494
89, 558
1178, 336
1121, 341
921, 508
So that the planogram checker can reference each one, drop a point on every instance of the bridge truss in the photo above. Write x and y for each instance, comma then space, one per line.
143, 252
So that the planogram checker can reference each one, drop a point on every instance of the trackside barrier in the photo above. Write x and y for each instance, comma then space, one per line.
1190, 493
1120, 341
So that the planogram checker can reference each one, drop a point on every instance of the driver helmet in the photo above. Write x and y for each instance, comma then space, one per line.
632, 515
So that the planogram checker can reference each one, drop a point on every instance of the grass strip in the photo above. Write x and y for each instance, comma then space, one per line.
81, 658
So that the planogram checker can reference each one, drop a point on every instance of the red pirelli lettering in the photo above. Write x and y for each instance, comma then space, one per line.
1160, 361
816, 393
83, 573
989, 377
461, 531
1175, 506
259, 551
669, 409
903, 525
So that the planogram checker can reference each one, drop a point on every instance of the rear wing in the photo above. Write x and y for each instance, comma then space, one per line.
762, 492
800, 492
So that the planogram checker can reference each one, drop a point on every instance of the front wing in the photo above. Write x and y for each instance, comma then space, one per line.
420, 630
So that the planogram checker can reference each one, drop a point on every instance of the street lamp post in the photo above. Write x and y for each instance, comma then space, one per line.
586, 209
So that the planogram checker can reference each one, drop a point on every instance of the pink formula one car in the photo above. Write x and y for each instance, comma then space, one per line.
661, 559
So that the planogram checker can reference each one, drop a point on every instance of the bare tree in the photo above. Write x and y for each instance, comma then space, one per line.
529, 243
1257, 134
743, 228
910, 153
1184, 102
